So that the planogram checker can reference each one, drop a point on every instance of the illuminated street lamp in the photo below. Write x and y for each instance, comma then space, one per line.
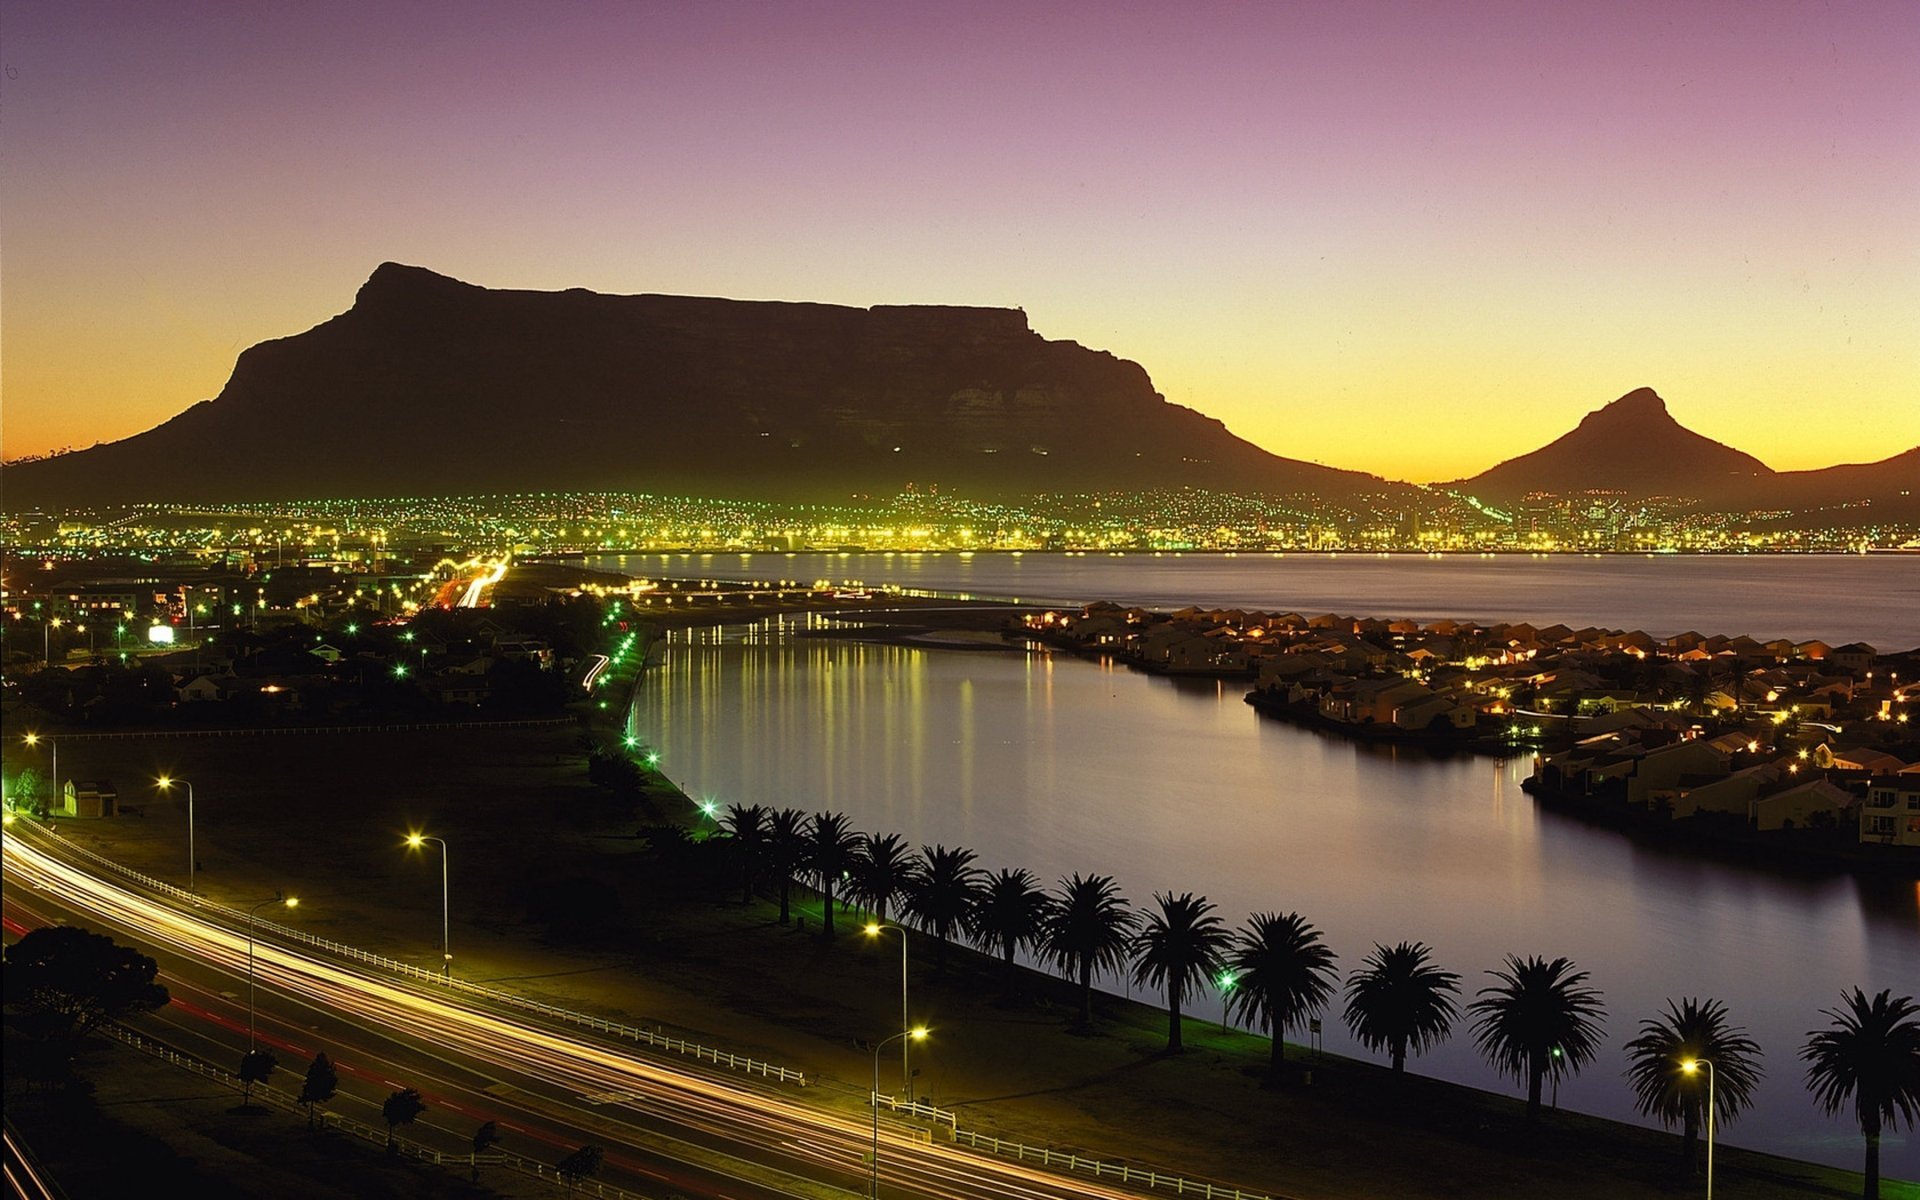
53, 791
165, 784
903, 1037
906, 1076
415, 841
46, 638
276, 898
1690, 1065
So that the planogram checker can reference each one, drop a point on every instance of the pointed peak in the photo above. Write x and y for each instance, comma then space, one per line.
392, 278
1639, 406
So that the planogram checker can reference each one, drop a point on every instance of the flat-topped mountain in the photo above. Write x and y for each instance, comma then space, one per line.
428, 385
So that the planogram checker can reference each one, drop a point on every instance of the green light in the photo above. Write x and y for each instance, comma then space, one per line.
709, 807
399, 670
631, 741
653, 760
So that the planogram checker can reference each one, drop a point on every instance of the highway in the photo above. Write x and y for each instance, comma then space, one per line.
696, 1132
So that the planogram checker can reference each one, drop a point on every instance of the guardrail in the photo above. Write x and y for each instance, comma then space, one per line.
634, 1033
387, 1139
915, 1108
1073, 1162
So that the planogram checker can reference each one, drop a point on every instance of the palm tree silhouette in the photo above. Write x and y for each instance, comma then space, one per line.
1538, 1020
1399, 1001
747, 825
1871, 1057
831, 850
786, 850
1180, 947
941, 895
1664, 1086
882, 871
1010, 911
1282, 975
1088, 931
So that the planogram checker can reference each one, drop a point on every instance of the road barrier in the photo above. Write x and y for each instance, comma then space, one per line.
1105, 1170
916, 1108
634, 1033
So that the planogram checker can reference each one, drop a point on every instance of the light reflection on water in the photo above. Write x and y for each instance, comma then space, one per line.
1060, 765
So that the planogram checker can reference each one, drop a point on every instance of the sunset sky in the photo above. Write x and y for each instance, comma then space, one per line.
1409, 238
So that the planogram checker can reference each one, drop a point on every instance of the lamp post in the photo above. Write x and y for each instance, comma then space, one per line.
46, 638
165, 783
1691, 1065
53, 784
903, 1037
415, 840
276, 898
873, 930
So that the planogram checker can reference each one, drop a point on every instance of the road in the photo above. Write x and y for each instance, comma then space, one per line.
661, 1123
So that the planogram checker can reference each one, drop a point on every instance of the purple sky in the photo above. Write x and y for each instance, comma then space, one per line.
1408, 238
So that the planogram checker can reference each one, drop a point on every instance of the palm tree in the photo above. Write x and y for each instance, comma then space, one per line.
1872, 1057
786, 840
1088, 931
1399, 1001
831, 851
1180, 947
1665, 1084
882, 871
747, 825
1281, 974
1538, 1020
941, 895
1009, 912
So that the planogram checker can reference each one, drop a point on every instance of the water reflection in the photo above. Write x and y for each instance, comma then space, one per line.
1062, 765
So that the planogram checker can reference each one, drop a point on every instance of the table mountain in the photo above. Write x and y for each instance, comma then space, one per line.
428, 385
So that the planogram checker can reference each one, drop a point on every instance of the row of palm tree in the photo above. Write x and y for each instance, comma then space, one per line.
1539, 1020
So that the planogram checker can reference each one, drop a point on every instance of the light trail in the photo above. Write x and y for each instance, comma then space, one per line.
476, 590
600, 662
798, 1137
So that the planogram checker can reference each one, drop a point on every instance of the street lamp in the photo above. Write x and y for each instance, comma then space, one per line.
166, 784
415, 840
276, 898
906, 1076
903, 1037
1690, 1065
46, 638
53, 790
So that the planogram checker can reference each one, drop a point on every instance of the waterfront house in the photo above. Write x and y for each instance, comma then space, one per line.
1890, 814
1805, 805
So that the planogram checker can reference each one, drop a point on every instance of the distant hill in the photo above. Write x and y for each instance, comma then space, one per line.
428, 385
1635, 446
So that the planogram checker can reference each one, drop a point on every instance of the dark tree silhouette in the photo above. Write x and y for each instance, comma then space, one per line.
1010, 911
256, 1066
1088, 931
1282, 975
786, 852
1539, 1020
402, 1108
1870, 1056
485, 1138
67, 981
940, 896
1399, 1001
583, 1163
883, 871
320, 1085
748, 826
1179, 947
832, 849
1664, 1087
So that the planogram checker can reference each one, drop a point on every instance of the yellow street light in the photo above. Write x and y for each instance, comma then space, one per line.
1690, 1066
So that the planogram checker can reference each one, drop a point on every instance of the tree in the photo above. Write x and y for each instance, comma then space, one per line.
1009, 911
831, 851
583, 1163
1282, 974
1088, 931
485, 1138
747, 825
404, 1107
883, 870
1180, 947
68, 981
1872, 1057
1666, 1085
786, 851
321, 1083
1399, 1001
255, 1067
1539, 1020
940, 896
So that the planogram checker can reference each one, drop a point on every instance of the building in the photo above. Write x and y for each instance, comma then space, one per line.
1890, 815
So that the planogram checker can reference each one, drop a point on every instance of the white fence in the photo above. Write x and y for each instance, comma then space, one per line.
1105, 1170
646, 1037
915, 1108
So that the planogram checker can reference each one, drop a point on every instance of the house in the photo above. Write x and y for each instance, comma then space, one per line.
1799, 807
89, 798
1856, 657
1890, 815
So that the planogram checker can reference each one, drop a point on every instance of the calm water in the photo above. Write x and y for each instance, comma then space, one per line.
1840, 598
1061, 765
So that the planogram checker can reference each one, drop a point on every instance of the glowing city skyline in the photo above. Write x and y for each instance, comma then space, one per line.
1409, 240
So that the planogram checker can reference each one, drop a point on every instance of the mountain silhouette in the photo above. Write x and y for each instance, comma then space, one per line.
431, 386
